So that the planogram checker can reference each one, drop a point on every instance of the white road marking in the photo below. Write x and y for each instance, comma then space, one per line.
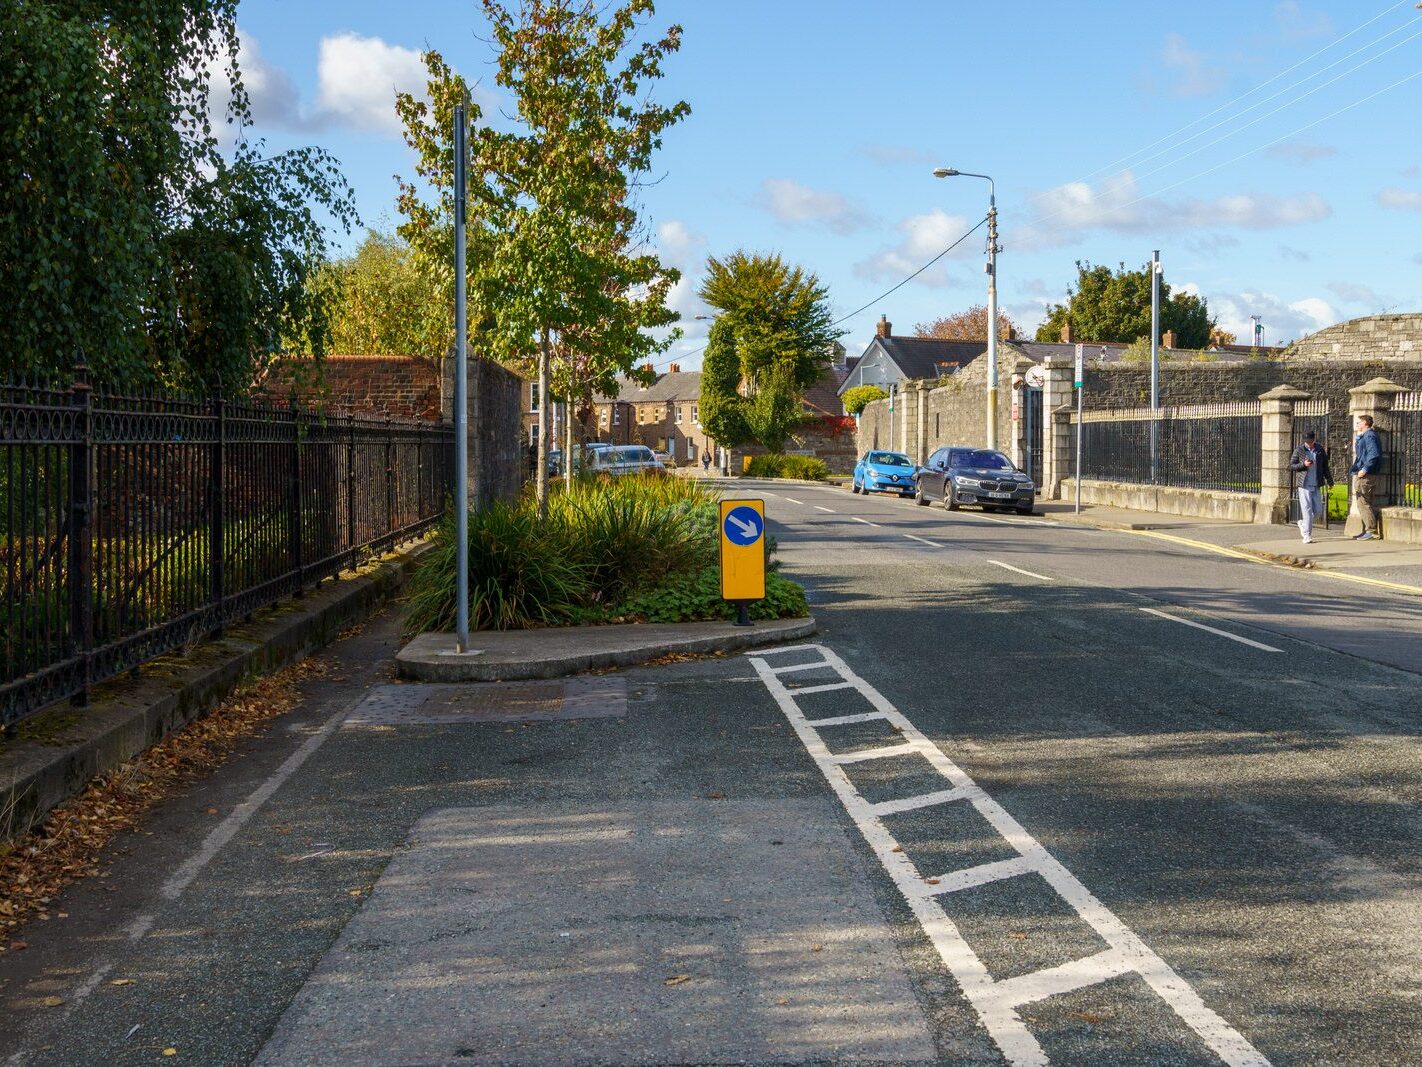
1211, 629
794, 501
224, 831
866, 522
996, 1001
1019, 570
821, 507
926, 541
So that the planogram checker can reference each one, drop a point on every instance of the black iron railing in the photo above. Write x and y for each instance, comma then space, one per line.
135, 525
1214, 446
1404, 460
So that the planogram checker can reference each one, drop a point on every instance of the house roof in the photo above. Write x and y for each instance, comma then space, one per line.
823, 396
681, 385
930, 357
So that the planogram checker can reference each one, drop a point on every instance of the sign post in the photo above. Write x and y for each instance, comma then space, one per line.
1079, 383
743, 552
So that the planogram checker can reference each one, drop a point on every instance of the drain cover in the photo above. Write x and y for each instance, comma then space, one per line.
438, 704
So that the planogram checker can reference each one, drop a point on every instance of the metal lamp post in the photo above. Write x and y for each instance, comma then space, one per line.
992, 251
1155, 272
461, 390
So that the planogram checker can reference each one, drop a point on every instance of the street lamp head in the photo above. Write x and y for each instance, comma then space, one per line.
944, 172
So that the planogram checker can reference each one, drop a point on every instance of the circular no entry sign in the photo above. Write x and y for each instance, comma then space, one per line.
743, 526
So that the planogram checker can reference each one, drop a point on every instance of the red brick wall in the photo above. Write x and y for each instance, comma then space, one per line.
386, 385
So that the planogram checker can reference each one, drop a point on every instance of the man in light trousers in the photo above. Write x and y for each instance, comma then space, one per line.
1367, 461
1310, 463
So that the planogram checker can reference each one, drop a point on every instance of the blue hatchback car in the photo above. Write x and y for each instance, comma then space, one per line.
884, 472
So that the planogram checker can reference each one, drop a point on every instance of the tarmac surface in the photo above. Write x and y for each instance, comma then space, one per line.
1138, 803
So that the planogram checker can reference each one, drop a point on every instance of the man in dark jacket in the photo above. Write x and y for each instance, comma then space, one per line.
1367, 459
1310, 463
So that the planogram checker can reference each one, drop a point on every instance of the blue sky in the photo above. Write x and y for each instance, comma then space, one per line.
1111, 129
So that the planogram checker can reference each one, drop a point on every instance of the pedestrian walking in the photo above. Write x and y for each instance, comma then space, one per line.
1367, 459
1310, 462
705, 461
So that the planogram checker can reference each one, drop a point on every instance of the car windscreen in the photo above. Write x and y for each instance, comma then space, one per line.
980, 459
632, 455
889, 459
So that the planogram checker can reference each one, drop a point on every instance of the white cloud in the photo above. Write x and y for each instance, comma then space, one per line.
679, 246
359, 77
1352, 293
1116, 205
1284, 320
1300, 152
1210, 244
1195, 76
797, 204
924, 236
1298, 255
1296, 24
1401, 199
272, 96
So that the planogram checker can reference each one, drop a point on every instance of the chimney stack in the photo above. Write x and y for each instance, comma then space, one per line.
648, 368
675, 368
1010, 334
884, 327
1066, 334
1168, 340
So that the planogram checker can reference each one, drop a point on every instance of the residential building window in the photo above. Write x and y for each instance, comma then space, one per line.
616, 415
677, 409
533, 435
532, 396
695, 415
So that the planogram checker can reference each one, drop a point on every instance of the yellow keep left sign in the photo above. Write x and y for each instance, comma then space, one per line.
743, 549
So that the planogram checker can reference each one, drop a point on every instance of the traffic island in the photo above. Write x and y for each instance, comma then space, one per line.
509, 655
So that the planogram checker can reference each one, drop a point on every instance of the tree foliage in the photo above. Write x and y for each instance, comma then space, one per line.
1114, 306
861, 396
970, 325
125, 228
384, 304
559, 268
775, 335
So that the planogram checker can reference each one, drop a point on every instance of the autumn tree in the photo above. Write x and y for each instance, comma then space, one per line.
1114, 306
383, 302
861, 396
127, 229
970, 325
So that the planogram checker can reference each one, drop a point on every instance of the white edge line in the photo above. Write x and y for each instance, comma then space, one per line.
1222, 633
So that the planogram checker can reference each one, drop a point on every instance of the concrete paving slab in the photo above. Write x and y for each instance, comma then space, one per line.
435, 704
507, 655
644, 932
1339, 553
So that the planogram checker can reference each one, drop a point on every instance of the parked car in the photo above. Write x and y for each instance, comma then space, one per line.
883, 472
581, 458
621, 460
979, 476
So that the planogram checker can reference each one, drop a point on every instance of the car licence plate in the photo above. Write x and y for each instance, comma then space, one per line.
998, 496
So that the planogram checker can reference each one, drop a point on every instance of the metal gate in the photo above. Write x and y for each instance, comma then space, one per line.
1032, 413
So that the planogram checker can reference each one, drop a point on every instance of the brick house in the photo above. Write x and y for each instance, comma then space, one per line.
665, 415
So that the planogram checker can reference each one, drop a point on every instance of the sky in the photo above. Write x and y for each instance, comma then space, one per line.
1267, 148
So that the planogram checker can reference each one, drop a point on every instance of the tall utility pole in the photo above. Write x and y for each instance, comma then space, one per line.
1154, 363
1258, 330
461, 389
992, 251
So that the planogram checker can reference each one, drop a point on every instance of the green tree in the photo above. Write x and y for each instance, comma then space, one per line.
775, 328
1114, 306
773, 411
560, 268
861, 396
384, 304
125, 229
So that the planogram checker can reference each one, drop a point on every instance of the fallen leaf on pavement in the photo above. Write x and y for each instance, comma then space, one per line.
782, 1000
122, 981
931, 881
53, 1002
19, 946
897, 848
212, 811
817, 948
1089, 1016
1017, 935
170, 1051
677, 979
715, 796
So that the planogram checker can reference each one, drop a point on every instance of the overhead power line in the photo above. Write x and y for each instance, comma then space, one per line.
858, 311
1248, 93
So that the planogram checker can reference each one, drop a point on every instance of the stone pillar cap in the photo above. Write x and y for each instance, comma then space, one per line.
1378, 387
1285, 392
1064, 409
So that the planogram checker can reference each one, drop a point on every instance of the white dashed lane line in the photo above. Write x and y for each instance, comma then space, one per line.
866, 522
794, 501
820, 507
1222, 633
1019, 570
926, 541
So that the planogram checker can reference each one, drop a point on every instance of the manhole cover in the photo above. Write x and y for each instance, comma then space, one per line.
436, 704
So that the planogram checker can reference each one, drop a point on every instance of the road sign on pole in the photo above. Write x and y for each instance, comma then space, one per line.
743, 552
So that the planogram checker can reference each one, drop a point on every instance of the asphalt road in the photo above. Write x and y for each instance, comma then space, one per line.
1220, 824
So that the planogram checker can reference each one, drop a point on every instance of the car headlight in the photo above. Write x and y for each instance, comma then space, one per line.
958, 479
1025, 485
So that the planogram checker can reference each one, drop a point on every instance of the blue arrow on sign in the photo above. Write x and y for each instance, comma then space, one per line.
743, 526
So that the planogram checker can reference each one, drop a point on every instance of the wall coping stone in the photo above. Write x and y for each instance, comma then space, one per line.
1286, 392
1378, 387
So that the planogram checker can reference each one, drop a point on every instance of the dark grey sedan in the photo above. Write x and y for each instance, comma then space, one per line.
977, 476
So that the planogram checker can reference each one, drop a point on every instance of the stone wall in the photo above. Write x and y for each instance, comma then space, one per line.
950, 411
497, 452
402, 386
1372, 337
